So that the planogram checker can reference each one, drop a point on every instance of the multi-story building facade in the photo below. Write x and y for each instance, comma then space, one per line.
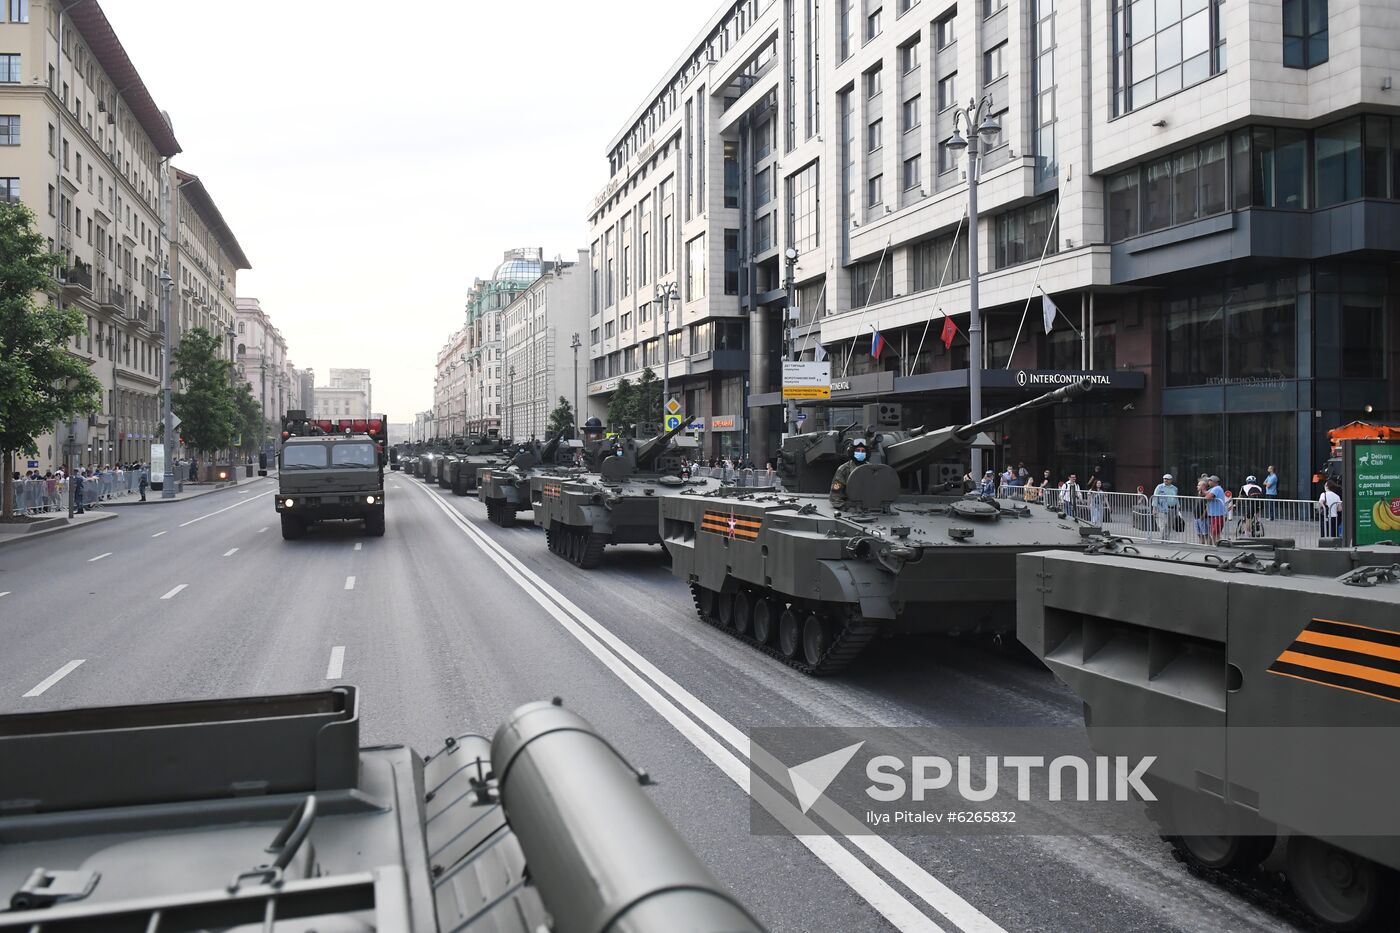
349, 394
1208, 192
262, 362
467, 393
541, 363
205, 260
83, 144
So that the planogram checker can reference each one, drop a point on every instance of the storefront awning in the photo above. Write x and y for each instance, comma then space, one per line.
855, 390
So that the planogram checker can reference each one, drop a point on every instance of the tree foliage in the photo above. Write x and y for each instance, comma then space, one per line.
622, 406
561, 419
41, 382
251, 427
207, 403
647, 407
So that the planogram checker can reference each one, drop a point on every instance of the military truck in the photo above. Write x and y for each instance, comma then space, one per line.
330, 470
1262, 678
264, 813
505, 488
811, 581
616, 501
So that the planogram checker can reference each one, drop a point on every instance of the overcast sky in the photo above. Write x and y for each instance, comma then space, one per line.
372, 164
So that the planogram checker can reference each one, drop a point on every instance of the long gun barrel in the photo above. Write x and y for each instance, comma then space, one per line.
924, 447
547, 454
650, 449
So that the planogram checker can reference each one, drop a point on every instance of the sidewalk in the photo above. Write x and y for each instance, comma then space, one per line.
188, 491
31, 531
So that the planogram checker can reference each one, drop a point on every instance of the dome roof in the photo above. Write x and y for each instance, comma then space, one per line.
519, 270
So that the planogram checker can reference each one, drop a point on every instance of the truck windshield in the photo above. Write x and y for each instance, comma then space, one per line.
303, 456
353, 455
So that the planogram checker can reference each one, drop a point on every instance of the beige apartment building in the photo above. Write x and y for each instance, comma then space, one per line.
349, 394
262, 360
542, 363
84, 145
205, 260
1206, 190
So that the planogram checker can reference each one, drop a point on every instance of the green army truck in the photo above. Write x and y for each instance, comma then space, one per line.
330, 471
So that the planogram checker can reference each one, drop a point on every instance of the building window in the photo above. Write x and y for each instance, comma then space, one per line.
9, 130
909, 57
1337, 163
1027, 233
1232, 445
9, 190
731, 173
994, 64
593, 337
695, 269
1160, 48
930, 264
913, 172
1279, 167
731, 262
911, 113
947, 158
804, 209
869, 286
873, 135
945, 32
763, 234
990, 7
763, 187
847, 28
19, 11
872, 24
1231, 330
872, 83
948, 92
873, 190
1176, 189
1304, 33
9, 68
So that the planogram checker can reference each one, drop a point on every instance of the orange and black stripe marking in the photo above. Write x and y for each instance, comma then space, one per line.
1345, 656
551, 490
732, 525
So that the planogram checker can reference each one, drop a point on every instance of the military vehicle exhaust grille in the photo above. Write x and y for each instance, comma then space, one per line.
1345, 656
732, 525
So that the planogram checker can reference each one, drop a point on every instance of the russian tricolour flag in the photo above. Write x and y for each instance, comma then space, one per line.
877, 343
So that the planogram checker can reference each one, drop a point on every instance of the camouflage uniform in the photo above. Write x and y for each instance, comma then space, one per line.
838, 482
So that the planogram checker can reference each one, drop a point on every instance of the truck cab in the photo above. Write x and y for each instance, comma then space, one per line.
330, 471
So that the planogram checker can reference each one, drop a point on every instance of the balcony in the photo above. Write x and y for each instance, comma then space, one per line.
77, 280
113, 299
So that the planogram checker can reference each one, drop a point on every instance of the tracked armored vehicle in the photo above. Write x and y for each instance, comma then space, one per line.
616, 501
430, 460
264, 813
505, 489
1263, 679
812, 581
478, 452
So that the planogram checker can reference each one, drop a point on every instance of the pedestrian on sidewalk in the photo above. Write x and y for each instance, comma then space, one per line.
1096, 501
142, 483
1329, 507
1217, 507
1165, 505
78, 483
1270, 492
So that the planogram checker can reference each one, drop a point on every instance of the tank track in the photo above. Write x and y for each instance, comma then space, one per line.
591, 555
1248, 886
847, 644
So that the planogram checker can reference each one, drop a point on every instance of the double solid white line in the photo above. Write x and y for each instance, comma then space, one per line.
727, 747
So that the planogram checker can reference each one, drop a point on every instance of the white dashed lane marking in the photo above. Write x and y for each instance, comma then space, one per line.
54, 678
175, 592
230, 552
99, 557
157, 534
349, 583
336, 664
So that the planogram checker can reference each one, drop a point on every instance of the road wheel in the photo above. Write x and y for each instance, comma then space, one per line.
725, 606
765, 620
743, 611
293, 527
591, 550
374, 524
789, 633
1346, 891
816, 639
704, 602
1188, 810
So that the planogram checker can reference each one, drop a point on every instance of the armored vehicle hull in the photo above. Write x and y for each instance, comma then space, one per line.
812, 585
263, 812
1269, 676
582, 515
505, 487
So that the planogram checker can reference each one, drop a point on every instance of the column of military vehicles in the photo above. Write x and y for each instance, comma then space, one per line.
1232, 641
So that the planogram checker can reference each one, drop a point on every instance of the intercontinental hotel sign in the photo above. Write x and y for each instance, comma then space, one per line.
1026, 378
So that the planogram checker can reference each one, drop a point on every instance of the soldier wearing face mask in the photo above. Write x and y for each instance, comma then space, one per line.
843, 472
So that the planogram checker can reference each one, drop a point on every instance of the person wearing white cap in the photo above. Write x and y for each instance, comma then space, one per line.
1165, 505
988, 487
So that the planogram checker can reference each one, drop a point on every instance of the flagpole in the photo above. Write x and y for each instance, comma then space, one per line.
1035, 283
876, 281
947, 264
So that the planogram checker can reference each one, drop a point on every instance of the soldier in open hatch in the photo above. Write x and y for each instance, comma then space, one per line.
838, 482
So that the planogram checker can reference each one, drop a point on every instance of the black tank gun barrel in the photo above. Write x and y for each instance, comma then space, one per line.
550, 447
601, 854
923, 447
651, 448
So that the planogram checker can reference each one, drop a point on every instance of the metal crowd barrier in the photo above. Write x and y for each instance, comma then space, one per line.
33, 495
1185, 519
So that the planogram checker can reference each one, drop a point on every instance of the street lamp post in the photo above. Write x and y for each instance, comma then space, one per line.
510, 402
789, 343
976, 114
481, 405
167, 480
666, 294
574, 345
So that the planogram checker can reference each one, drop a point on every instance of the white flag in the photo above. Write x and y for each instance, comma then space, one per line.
820, 353
1049, 310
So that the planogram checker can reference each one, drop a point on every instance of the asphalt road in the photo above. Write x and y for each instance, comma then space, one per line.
447, 623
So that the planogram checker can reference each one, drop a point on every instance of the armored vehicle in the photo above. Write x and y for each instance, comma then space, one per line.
264, 813
616, 501
505, 489
486, 450
1263, 679
330, 470
430, 459
811, 580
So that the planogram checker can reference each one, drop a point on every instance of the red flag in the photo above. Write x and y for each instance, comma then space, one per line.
950, 330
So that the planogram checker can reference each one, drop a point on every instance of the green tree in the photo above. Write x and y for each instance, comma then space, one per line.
40, 381
251, 426
561, 419
622, 406
206, 402
648, 398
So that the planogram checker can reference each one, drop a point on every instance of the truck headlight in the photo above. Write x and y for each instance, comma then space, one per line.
288, 503
369, 499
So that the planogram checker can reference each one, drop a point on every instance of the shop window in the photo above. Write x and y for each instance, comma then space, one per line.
1260, 326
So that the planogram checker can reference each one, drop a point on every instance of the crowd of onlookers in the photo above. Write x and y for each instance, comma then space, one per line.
37, 492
